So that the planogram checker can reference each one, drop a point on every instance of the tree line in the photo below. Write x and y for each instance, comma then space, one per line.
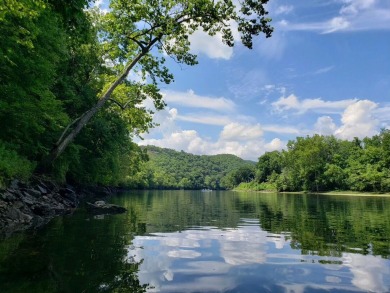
323, 163
170, 169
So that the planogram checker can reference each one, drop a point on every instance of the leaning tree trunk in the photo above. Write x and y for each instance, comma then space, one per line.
67, 138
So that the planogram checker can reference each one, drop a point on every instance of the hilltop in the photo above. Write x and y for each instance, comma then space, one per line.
170, 169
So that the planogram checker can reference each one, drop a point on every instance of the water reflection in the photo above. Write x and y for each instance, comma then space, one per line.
286, 243
208, 242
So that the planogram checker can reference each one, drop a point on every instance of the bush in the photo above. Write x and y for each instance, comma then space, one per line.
266, 186
13, 166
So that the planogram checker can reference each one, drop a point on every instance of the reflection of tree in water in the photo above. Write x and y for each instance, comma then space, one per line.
73, 254
315, 224
330, 226
82, 254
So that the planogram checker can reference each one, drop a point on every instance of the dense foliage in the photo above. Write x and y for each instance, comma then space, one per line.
321, 163
65, 67
51, 70
169, 169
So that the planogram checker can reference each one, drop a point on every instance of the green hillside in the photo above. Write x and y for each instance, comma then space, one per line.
170, 169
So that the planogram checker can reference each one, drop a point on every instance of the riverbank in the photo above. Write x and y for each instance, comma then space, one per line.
345, 192
30, 206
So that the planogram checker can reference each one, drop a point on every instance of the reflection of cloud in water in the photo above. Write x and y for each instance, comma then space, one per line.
333, 279
222, 260
178, 242
178, 255
244, 246
279, 240
183, 253
213, 283
368, 271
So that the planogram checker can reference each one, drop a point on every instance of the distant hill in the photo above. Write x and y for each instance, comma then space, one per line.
169, 169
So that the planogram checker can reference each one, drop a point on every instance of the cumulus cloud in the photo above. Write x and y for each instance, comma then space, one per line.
237, 131
190, 141
275, 145
241, 139
211, 46
190, 99
325, 126
292, 102
358, 120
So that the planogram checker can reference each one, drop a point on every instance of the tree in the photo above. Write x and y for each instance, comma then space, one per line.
270, 162
135, 35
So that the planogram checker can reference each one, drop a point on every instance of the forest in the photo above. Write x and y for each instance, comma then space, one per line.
73, 79
169, 169
324, 163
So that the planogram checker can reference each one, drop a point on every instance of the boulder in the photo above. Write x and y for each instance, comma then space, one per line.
102, 208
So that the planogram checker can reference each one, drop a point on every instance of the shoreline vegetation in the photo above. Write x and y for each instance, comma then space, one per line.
334, 192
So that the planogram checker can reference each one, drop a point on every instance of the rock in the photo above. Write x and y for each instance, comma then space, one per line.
102, 208
29, 200
35, 193
14, 184
43, 210
16, 216
7, 196
42, 189
69, 194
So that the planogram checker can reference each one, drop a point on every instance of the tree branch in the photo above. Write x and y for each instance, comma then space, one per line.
120, 105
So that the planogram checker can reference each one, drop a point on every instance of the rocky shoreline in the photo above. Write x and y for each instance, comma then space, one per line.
30, 206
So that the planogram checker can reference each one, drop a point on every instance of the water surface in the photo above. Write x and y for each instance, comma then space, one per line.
182, 241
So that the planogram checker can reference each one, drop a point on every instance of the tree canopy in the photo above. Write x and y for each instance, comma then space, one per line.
321, 163
65, 67
170, 169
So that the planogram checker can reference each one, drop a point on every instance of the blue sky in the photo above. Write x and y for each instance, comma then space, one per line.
325, 70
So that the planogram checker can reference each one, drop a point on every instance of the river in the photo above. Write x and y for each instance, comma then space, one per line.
193, 241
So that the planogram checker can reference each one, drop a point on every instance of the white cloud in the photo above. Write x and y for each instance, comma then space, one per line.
237, 131
240, 135
243, 140
353, 15
323, 70
281, 129
102, 5
211, 46
354, 6
284, 9
336, 24
190, 99
292, 102
358, 120
208, 119
275, 145
325, 126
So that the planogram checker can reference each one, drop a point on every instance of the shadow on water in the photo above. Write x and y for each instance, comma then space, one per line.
82, 253
78, 253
